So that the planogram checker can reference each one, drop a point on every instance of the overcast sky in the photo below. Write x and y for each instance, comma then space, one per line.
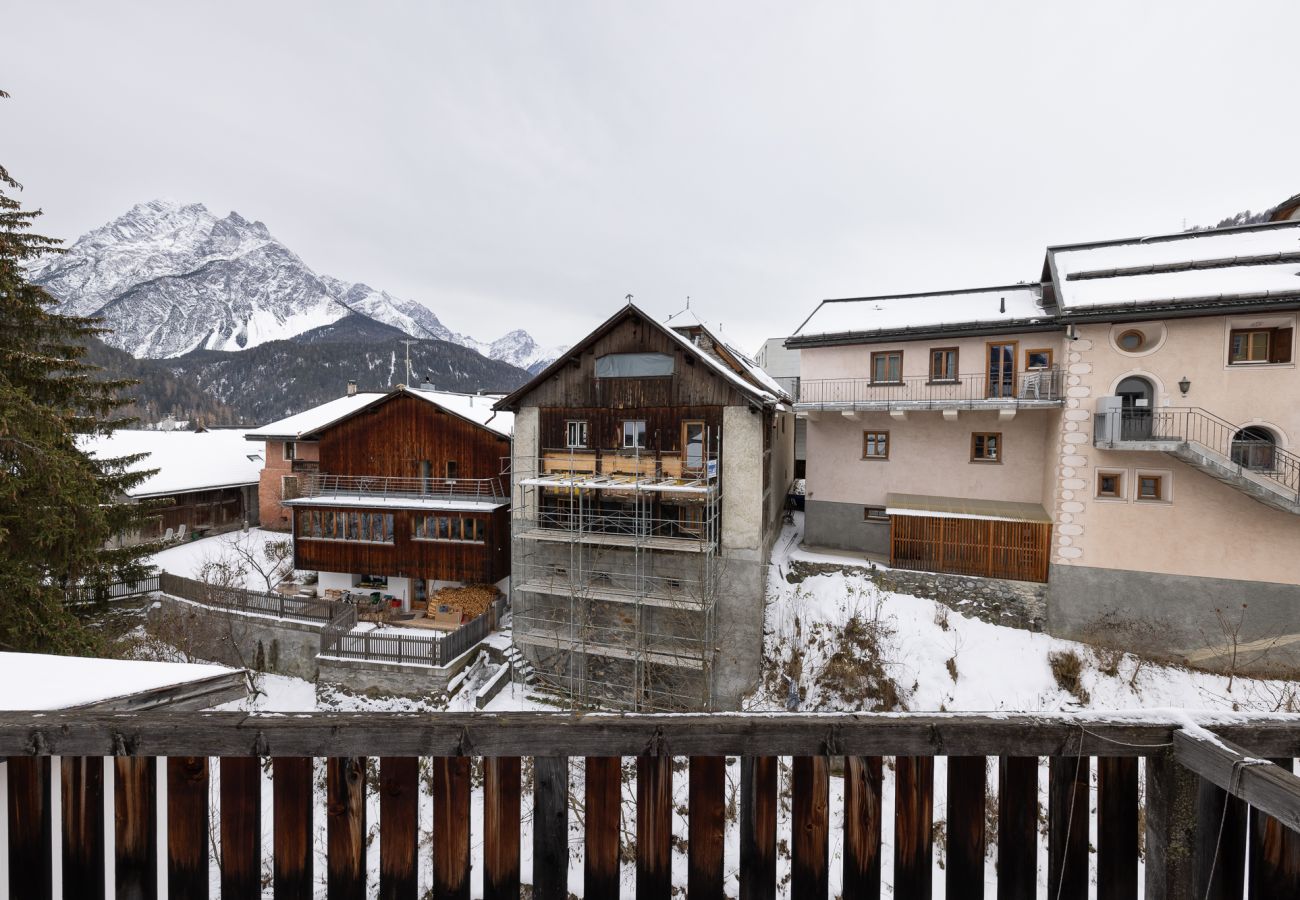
528, 164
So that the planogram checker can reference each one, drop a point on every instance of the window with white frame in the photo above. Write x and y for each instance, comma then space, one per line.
575, 433
634, 434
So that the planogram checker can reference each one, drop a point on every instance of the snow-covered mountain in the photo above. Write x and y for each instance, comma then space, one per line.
170, 278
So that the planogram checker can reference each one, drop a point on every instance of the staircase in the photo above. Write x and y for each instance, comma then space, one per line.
1257, 468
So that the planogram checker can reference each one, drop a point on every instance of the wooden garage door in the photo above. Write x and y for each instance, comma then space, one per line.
991, 548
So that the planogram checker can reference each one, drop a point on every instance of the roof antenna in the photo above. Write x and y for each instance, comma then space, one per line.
680, 311
1002, 305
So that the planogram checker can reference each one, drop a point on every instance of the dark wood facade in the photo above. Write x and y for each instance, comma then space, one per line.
405, 436
206, 511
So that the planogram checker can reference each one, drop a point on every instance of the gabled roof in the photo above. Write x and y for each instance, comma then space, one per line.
744, 376
307, 425
185, 460
973, 310
1181, 272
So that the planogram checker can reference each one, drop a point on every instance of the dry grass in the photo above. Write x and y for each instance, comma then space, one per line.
1067, 669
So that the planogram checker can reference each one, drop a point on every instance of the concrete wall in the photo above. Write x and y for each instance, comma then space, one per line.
1173, 616
841, 526
742, 481
284, 647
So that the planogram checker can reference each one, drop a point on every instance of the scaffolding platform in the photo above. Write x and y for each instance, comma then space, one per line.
612, 539
554, 640
610, 595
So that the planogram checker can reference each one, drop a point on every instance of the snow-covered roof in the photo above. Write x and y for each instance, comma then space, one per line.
475, 407
994, 306
1253, 262
309, 420
32, 681
185, 460
375, 501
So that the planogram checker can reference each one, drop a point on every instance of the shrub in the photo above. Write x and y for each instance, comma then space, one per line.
1067, 669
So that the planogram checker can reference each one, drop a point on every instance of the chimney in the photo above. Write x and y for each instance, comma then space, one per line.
352, 388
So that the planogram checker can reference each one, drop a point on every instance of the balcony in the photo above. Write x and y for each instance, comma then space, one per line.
378, 487
1037, 388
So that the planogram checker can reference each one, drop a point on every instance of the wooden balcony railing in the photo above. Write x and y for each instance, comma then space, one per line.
1201, 788
1037, 386
378, 486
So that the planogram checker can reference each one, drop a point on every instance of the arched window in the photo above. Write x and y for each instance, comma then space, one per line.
1253, 448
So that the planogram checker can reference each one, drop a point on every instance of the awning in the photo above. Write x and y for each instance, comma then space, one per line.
964, 508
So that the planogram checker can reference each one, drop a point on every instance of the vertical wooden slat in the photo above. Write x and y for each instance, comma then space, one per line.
83, 826
241, 828
1170, 829
1067, 827
810, 826
187, 827
757, 827
501, 811
551, 828
345, 827
1274, 854
135, 817
967, 791
862, 827
31, 864
654, 808
1017, 827
706, 825
603, 795
399, 798
1117, 827
451, 828
913, 827
1220, 843
292, 825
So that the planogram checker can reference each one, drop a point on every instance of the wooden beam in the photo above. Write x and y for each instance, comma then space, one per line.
551, 828
1170, 829
1263, 785
758, 828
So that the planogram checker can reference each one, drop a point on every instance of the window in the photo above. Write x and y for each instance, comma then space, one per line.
1001, 370
1151, 487
1110, 485
1038, 359
449, 528
875, 445
453, 470
691, 520
693, 445
634, 365
943, 364
575, 432
1259, 345
874, 514
634, 434
324, 525
887, 367
986, 446
1131, 341
290, 450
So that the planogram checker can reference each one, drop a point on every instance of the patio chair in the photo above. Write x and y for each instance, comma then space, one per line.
167, 536
180, 533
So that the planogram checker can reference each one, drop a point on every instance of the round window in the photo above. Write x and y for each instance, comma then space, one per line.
1132, 340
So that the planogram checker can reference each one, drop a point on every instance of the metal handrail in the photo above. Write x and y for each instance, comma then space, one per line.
319, 484
1193, 425
1045, 384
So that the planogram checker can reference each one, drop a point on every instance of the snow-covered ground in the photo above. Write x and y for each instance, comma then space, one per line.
232, 548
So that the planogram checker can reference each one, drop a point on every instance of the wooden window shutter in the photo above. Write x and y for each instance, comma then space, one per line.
1279, 345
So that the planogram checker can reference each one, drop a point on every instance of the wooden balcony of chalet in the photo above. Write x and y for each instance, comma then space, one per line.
1036, 388
321, 486
1221, 806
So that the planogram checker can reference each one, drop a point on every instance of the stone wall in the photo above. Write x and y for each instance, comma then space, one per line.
253, 642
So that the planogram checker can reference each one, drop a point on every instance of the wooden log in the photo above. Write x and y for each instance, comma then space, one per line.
1170, 829
1017, 828
451, 828
187, 827
501, 812
30, 863
1220, 851
757, 828
399, 805
291, 813
913, 827
241, 828
654, 827
1269, 788
135, 818
1067, 827
706, 824
551, 828
603, 827
1117, 827
1274, 853
83, 826
967, 793
810, 826
345, 828
862, 827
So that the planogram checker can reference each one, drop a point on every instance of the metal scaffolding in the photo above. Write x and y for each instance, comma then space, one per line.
615, 573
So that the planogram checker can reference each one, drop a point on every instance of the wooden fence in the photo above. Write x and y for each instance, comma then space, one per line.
986, 547
307, 609
1215, 815
118, 590
338, 640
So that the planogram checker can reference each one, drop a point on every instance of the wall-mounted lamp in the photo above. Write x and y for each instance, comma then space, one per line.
1184, 385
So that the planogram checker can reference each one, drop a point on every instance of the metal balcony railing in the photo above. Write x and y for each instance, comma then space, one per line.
1044, 386
320, 484
1205, 431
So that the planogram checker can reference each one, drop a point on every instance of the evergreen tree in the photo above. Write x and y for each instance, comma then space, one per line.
58, 506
